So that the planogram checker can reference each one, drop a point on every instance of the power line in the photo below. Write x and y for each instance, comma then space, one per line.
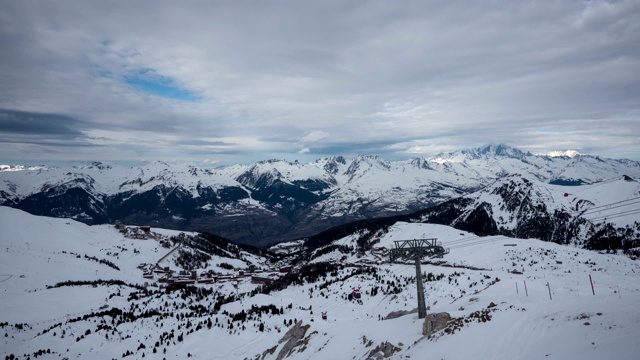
596, 208
471, 238
476, 239
615, 215
480, 242
463, 239
598, 212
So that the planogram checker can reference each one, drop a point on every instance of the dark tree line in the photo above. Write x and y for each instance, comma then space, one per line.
94, 282
102, 261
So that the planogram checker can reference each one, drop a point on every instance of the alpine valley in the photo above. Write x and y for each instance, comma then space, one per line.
492, 189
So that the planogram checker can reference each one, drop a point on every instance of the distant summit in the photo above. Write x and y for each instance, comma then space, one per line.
18, 167
566, 153
497, 150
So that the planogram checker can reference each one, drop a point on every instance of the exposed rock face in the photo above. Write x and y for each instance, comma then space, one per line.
293, 338
267, 352
383, 351
399, 313
435, 322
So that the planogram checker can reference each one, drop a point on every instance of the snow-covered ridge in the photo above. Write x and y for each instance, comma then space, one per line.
284, 200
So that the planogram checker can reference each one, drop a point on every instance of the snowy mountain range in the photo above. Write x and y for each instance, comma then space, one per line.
75, 291
274, 201
601, 216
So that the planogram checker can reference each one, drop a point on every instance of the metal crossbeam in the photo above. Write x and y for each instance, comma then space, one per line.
410, 249
415, 243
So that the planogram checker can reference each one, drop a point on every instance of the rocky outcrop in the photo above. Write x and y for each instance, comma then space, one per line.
383, 351
267, 352
435, 322
399, 313
292, 339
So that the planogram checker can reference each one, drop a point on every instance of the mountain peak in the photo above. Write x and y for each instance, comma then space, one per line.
11, 167
95, 165
420, 163
489, 150
332, 164
566, 153
499, 150
365, 162
273, 161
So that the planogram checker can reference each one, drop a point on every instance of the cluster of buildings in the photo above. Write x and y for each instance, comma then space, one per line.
164, 275
140, 232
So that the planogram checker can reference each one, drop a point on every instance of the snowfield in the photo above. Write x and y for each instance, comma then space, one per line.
507, 298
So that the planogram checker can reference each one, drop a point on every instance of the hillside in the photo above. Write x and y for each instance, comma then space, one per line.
601, 216
273, 201
480, 284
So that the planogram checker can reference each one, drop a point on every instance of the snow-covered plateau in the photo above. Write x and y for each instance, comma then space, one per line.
73, 291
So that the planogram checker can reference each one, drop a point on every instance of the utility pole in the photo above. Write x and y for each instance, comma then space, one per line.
415, 250
422, 308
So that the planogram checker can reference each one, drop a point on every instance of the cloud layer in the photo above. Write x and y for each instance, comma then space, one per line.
239, 81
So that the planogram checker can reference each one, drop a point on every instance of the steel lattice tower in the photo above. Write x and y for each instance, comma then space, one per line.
415, 250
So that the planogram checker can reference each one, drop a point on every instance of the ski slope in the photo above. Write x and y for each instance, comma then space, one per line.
36, 252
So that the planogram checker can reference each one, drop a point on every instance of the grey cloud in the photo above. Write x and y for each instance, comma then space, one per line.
199, 142
28, 123
371, 74
43, 142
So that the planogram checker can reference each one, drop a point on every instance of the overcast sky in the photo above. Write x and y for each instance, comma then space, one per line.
222, 82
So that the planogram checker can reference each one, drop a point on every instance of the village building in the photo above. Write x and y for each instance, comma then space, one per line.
260, 280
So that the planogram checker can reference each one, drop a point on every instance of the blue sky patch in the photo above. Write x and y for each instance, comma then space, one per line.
149, 81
